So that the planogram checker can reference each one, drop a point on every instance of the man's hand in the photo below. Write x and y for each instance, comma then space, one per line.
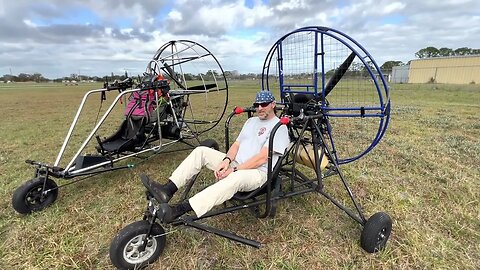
221, 169
224, 173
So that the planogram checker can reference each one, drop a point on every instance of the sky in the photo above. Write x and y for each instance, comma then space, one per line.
89, 37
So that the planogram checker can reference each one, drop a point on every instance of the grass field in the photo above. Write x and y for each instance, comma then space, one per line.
425, 173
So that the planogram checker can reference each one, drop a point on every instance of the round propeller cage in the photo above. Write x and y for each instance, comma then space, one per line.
196, 77
344, 79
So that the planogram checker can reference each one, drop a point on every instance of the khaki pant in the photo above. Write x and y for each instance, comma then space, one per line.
222, 190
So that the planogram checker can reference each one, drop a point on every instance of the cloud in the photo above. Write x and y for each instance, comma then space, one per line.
57, 37
209, 18
393, 7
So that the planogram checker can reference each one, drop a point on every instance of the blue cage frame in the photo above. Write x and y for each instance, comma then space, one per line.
382, 111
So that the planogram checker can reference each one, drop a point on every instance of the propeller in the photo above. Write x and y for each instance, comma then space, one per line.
202, 87
172, 75
337, 76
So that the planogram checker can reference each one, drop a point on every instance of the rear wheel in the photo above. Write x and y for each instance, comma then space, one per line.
127, 248
34, 195
376, 232
210, 143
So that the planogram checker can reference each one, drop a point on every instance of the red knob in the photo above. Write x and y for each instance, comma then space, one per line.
284, 120
238, 110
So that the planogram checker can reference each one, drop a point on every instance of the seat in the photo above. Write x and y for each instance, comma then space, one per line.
130, 134
300, 101
137, 130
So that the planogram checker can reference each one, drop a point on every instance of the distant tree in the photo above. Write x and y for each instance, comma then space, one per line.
390, 64
188, 76
210, 74
446, 52
228, 74
427, 52
37, 77
365, 70
330, 73
235, 73
463, 51
356, 66
24, 77
12, 78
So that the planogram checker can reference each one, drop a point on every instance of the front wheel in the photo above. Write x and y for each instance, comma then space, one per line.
129, 250
376, 232
34, 195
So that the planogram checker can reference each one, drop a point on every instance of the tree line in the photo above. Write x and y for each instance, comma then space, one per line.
24, 77
38, 77
427, 52
430, 51
208, 76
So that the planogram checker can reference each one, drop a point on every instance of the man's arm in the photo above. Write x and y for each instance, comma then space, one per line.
232, 152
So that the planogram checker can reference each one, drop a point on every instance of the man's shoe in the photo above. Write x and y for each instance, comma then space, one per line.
156, 189
169, 213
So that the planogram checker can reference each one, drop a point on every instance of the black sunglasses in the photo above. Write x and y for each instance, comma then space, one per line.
263, 104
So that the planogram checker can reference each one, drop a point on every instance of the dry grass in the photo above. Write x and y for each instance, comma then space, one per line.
425, 173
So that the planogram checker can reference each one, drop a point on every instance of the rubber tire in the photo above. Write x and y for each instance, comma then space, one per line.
126, 235
376, 232
210, 143
35, 185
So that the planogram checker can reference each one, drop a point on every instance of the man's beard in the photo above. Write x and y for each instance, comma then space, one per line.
263, 115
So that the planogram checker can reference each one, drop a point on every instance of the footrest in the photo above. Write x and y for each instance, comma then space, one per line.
222, 233
87, 161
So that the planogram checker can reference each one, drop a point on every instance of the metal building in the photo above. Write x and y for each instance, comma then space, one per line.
454, 70
400, 74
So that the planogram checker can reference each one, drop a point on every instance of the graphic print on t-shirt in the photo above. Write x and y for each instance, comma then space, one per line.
261, 131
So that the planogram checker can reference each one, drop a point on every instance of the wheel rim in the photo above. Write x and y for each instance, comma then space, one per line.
133, 255
381, 237
35, 197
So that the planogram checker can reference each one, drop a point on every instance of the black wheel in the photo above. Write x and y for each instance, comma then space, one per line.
125, 249
210, 143
31, 196
376, 232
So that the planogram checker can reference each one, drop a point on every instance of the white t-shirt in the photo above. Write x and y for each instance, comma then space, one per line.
255, 134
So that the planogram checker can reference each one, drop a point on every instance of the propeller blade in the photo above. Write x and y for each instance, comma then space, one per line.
337, 76
172, 75
202, 87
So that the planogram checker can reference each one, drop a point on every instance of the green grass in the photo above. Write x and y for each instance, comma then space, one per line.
425, 173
